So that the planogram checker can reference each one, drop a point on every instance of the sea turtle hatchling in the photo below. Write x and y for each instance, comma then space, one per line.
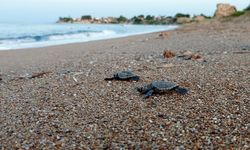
161, 87
124, 75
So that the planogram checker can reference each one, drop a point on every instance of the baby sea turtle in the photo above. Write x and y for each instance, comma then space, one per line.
161, 87
124, 75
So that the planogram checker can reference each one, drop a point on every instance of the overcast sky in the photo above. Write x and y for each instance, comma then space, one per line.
43, 11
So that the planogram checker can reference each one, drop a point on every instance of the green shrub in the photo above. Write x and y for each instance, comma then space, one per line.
148, 17
86, 17
247, 9
141, 16
137, 20
154, 22
182, 15
238, 13
122, 19
207, 17
66, 19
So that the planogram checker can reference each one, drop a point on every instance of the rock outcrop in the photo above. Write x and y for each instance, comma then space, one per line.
224, 10
183, 20
199, 18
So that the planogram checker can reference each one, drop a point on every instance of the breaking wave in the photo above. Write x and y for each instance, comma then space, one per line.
27, 36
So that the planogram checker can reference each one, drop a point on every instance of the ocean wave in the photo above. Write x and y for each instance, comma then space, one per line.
53, 39
19, 36
82, 36
45, 37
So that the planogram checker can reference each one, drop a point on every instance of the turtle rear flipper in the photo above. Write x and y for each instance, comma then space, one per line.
181, 91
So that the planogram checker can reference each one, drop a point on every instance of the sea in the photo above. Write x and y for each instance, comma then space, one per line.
18, 36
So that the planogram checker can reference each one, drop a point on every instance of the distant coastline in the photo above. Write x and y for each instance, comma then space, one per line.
179, 18
223, 10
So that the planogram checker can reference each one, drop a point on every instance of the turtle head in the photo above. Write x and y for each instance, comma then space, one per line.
139, 89
143, 89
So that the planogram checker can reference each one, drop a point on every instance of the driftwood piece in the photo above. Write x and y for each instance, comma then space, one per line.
38, 74
33, 75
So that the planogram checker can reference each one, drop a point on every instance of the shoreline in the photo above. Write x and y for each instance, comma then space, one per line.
103, 35
7, 56
112, 38
68, 105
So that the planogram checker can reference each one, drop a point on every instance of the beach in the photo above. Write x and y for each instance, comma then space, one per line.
56, 98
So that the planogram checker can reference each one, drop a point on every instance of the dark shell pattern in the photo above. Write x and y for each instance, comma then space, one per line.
163, 85
125, 74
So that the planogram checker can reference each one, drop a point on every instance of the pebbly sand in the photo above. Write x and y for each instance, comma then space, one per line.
70, 106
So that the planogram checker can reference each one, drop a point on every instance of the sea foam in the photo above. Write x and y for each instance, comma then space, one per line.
16, 36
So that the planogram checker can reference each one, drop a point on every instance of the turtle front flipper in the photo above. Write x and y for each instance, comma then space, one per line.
115, 77
181, 91
149, 93
108, 79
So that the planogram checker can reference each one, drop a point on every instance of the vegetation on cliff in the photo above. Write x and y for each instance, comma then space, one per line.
66, 19
242, 12
248, 8
179, 18
86, 17
122, 19
140, 19
178, 15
